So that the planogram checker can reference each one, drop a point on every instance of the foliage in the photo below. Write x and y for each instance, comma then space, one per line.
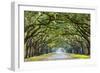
44, 31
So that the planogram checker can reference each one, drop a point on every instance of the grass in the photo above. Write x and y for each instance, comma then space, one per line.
38, 58
79, 56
